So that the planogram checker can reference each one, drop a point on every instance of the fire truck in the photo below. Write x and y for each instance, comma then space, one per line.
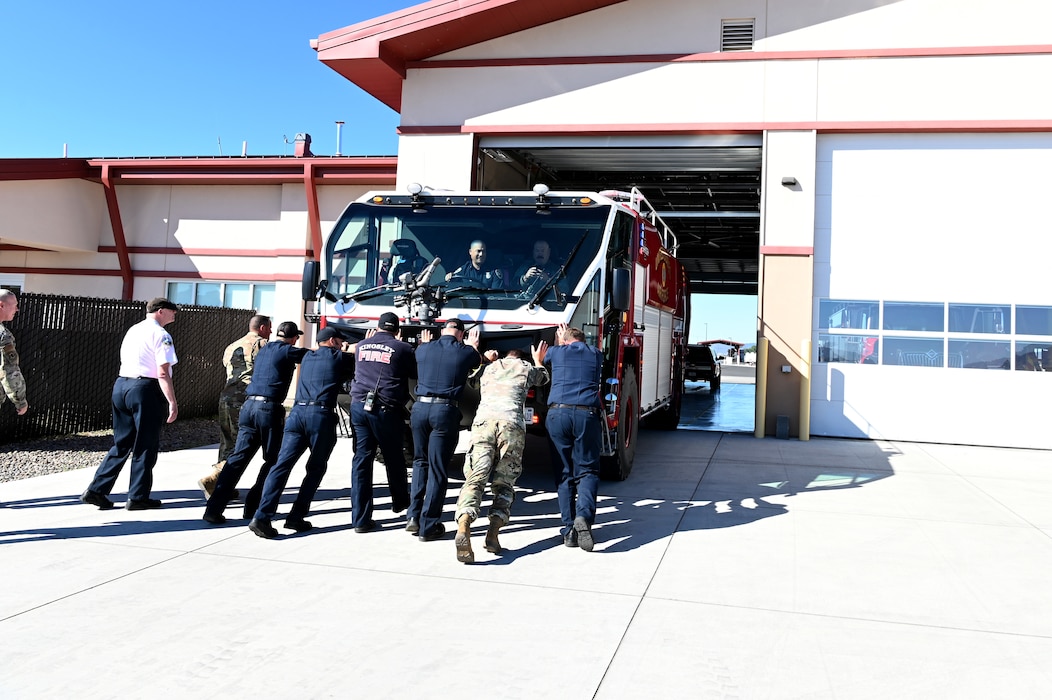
612, 273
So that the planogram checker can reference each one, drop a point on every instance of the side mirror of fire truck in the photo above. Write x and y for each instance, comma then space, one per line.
621, 289
309, 286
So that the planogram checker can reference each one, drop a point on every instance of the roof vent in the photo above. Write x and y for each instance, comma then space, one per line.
736, 34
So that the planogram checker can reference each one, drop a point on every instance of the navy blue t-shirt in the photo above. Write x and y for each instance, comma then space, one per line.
272, 372
322, 374
383, 364
577, 373
443, 366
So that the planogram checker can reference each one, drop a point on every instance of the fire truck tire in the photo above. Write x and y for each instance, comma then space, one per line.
618, 466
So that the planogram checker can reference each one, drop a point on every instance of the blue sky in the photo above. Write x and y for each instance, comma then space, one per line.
121, 78
729, 317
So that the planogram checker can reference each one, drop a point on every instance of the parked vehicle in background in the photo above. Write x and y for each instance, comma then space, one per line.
702, 366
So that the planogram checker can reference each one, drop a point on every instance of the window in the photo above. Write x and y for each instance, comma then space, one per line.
843, 313
980, 318
230, 295
934, 334
913, 316
1033, 320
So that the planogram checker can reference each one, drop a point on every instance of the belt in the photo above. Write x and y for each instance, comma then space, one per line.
138, 377
323, 404
264, 399
574, 407
438, 399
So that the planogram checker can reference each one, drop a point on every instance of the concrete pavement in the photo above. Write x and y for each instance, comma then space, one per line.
725, 567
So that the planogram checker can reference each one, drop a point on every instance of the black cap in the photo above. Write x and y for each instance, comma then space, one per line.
388, 322
159, 303
455, 323
288, 329
328, 333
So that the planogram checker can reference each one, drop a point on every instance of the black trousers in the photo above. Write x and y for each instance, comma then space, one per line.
139, 412
261, 424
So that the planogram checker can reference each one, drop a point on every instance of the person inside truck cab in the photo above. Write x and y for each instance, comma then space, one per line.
405, 258
538, 269
475, 272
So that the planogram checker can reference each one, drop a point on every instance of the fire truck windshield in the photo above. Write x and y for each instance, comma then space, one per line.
499, 256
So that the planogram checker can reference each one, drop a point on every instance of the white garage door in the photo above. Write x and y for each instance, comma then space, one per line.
933, 288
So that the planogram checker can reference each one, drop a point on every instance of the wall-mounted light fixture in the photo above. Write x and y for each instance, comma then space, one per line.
790, 181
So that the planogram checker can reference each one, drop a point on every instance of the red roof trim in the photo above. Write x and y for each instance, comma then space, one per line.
374, 54
941, 51
825, 127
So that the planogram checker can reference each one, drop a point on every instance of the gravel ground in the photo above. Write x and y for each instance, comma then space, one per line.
22, 460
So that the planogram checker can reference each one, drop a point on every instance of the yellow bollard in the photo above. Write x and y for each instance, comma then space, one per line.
760, 428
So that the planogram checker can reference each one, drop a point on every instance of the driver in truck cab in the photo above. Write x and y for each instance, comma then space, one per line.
475, 272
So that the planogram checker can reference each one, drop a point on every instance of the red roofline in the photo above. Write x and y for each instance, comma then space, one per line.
373, 54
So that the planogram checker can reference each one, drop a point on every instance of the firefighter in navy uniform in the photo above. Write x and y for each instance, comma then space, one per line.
382, 369
574, 426
443, 366
311, 425
261, 422
476, 272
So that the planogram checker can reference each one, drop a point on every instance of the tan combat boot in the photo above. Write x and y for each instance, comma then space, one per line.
208, 484
492, 543
463, 540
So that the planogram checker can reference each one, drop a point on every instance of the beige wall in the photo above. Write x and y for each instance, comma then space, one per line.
785, 320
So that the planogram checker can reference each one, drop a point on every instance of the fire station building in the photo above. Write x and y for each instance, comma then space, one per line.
874, 171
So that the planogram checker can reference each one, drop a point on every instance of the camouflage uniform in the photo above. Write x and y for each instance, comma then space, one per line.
238, 358
498, 435
10, 374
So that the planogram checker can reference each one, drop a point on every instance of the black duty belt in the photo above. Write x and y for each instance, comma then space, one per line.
138, 377
438, 399
323, 404
264, 399
575, 407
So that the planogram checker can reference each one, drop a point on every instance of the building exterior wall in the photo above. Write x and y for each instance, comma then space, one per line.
174, 233
938, 94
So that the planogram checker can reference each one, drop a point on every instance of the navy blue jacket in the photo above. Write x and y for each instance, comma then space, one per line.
443, 366
273, 369
488, 277
577, 373
383, 364
322, 374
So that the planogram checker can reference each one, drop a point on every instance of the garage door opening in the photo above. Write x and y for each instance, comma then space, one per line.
706, 188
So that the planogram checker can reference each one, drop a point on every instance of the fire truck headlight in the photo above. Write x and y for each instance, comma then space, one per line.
540, 190
414, 188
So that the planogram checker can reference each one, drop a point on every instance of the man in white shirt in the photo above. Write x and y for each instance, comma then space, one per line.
142, 395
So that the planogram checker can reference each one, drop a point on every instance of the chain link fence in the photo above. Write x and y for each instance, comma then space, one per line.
69, 350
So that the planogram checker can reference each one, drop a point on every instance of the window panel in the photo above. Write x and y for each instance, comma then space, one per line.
913, 316
237, 296
854, 349
208, 294
981, 354
980, 318
181, 292
846, 313
263, 299
913, 352
1033, 357
1033, 320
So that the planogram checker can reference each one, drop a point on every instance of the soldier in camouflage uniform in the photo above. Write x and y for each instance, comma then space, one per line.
498, 435
238, 358
10, 374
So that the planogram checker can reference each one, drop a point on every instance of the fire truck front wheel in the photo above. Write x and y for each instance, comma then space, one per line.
617, 466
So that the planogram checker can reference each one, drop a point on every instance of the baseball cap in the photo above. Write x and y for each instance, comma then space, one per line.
454, 323
328, 333
288, 329
388, 322
159, 303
